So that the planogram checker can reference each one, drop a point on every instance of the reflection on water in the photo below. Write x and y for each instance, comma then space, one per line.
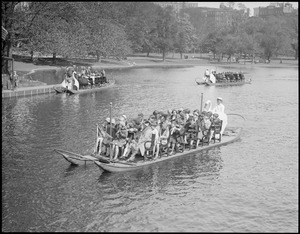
250, 185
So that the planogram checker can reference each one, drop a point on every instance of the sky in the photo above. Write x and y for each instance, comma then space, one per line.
250, 5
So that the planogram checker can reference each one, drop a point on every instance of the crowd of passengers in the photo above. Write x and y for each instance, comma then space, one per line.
159, 132
86, 76
229, 76
224, 76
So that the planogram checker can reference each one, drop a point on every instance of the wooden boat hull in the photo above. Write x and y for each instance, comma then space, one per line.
88, 90
75, 159
200, 83
59, 90
121, 167
227, 83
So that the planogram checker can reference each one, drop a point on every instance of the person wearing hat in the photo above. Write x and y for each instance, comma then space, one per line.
215, 123
200, 128
120, 139
108, 126
192, 130
155, 131
164, 135
220, 110
138, 122
206, 125
144, 135
175, 136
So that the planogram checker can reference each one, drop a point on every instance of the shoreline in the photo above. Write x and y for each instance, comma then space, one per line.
144, 62
44, 72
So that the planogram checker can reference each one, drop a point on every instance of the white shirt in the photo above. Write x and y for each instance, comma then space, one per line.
220, 108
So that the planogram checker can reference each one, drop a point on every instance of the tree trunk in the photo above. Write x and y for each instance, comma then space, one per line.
148, 53
31, 55
54, 58
98, 56
180, 55
163, 54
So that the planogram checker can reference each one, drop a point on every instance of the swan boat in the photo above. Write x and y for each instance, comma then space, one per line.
231, 134
227, 83
60, 90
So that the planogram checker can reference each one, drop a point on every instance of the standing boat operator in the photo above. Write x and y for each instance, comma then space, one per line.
206, 76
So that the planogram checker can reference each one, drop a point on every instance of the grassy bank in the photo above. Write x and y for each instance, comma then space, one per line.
43, 70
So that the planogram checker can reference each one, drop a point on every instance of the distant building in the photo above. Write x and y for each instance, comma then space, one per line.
215, 17
275, 9
178, 6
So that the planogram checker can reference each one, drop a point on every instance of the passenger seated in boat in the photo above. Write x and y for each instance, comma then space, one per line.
207, 124
210, 115
120, 139
186, 114
132, 150
102, 138
103, 77
162, 119
180, 110
214, 122
129, 141
155, 131
156, 115
231, 77
242, 77
200, 128
101, 135
138, 122
111, 130
144, 136
173, 114
175, 136
164, 133
236, 78
193, 131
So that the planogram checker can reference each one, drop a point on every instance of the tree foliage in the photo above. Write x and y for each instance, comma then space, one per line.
115, 29
185, 38
166, 27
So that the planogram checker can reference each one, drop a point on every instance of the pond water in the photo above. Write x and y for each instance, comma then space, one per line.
248, 186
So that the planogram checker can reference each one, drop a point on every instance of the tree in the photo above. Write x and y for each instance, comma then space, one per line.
166, 30
292, 27
253, 28
274, 37
8, 19
141, 27
185, 38
213, 40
